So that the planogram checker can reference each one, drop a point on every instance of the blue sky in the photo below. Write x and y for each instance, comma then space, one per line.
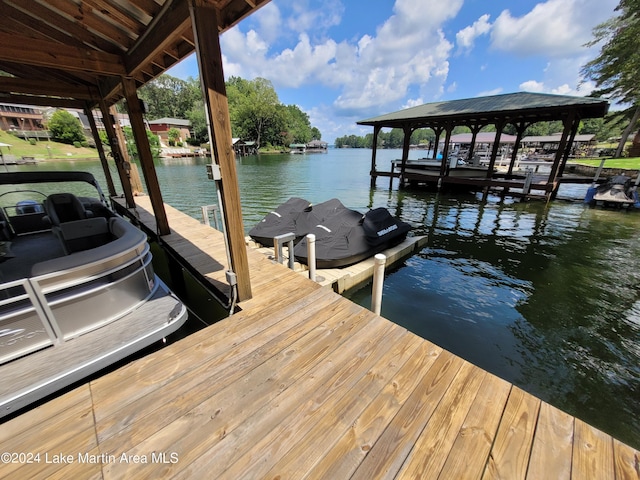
342, 61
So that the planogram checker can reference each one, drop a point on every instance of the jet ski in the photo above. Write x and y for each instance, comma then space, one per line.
343, 236
618, 191
350, 237
297, 216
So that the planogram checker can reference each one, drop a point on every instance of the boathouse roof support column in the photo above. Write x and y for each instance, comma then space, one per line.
438, 131
204, 19
496, 146
520, 129
108, 119
374, 151
567, 151
475, 129
134, 107
407, 131
444, 165
103, 158
555, 168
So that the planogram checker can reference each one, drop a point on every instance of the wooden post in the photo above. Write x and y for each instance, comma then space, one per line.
373, 172
520, 128
103, 158
116, 150
475, 129
130, 167
553, 174
567, 150
405, 151
445, 152
496, 145
438, 132
204, 19
144, 153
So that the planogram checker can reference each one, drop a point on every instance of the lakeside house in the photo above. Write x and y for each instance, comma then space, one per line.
161, 127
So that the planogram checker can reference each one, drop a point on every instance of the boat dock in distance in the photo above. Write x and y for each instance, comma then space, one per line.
301, 383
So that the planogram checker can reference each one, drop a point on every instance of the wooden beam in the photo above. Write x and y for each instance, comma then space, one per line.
108, 117
166, 27
406, 141
48, 88
42, 53
42, 101
103, 158
204, 18
144, 154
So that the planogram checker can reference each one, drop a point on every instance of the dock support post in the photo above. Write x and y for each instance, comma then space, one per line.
311, 256
378, 283
204, 22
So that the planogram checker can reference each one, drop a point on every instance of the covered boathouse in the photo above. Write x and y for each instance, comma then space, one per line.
520, 109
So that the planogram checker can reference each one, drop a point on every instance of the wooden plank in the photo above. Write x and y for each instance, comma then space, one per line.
592, 453
627, 461
552, 445
432, 447
470, 451
222, 363
215, 433
512, 446
380, 380
276, 428
396, 442
348, 452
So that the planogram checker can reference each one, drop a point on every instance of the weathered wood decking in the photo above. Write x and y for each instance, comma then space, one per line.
303, 383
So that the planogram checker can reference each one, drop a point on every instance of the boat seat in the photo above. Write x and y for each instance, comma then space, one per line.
65, 207
76, 228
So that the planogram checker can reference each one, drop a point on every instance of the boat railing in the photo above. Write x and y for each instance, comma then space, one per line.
71, 295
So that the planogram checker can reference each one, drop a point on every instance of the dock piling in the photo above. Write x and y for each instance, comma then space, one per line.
378, 282
311, 256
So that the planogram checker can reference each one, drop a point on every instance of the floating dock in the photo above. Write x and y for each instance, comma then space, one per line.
343, 279
301, 383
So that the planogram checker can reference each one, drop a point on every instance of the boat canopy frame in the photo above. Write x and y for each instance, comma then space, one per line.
521, 109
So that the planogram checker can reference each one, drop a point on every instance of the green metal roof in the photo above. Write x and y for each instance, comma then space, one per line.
510, 106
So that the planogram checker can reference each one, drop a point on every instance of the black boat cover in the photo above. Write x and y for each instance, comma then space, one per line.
349, 237
297, 216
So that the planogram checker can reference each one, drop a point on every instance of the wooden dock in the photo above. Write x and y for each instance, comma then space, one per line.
301, 383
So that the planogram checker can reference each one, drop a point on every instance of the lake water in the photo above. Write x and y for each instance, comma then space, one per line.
544, 296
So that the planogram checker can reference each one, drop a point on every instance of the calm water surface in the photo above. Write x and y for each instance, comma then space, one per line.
544, 296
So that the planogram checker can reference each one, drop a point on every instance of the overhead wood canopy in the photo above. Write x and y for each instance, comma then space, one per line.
93, 53
73, 51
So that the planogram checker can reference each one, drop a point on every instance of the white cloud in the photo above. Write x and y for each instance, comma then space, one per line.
465, 38
555, 28
409, 49
532, 86
487, 93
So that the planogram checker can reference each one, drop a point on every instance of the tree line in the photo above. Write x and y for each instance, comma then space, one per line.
255, 111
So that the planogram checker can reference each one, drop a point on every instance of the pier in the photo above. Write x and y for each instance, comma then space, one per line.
300, 383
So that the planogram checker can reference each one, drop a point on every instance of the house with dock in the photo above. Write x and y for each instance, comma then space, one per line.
298, 381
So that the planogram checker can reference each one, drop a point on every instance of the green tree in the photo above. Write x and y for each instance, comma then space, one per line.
616, 69
132, 148
167, 96
173, 135
66, 128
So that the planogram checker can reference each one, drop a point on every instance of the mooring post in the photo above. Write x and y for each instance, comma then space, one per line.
311, 256
378, 282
